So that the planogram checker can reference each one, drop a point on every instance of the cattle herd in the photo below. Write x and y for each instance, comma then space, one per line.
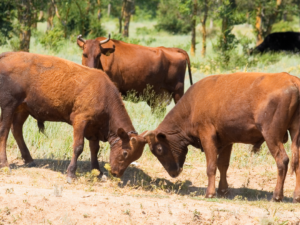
213, 114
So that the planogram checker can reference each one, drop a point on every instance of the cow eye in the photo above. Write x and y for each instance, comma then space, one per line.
125, 154
159, 150
85, 55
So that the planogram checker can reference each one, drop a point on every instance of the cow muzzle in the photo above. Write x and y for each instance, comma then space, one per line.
175, 173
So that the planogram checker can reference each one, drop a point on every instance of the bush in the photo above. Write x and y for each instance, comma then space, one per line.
51, 39
174, 16
283, 26
120, 37
96, 30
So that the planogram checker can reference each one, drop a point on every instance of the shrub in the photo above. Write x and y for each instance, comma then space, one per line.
51, 39
174, 16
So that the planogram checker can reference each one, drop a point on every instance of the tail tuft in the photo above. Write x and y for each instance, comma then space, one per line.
295, 156
41, 127
188, 63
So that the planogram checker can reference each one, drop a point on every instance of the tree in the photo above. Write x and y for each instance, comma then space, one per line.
128, 9
27, 18
6, 14
193, 44
175, 16
266, 15
203, 24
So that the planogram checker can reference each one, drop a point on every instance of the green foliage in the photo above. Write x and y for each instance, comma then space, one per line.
174, 16
146, 9
283, 26
51, 39
95, 29
6, 25
158, 103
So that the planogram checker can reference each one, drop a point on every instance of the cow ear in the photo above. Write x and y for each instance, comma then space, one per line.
122, 134
80, 43
107, 51
133, 140
161, 136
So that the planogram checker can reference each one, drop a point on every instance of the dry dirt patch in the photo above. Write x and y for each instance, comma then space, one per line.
31, 196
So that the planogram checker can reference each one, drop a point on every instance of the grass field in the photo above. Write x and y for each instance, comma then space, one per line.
252, 177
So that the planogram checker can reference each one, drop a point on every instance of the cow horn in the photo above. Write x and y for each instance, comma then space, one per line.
106, 40
79, 37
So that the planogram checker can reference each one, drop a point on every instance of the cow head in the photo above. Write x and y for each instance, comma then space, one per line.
92, 51
125, 149
168, 151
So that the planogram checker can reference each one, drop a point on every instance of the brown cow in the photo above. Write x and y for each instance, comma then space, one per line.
52, 89
133, 67
224, 109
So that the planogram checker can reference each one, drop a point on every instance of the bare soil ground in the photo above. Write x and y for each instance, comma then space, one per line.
41, 196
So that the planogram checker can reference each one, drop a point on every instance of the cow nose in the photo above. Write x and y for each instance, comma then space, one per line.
173, 174
114, 174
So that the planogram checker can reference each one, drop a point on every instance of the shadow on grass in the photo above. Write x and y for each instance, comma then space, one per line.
136, 178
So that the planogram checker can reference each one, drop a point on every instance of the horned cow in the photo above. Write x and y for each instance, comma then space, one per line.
238, 108
133, 67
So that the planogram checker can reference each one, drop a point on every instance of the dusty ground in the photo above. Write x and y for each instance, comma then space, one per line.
42, 196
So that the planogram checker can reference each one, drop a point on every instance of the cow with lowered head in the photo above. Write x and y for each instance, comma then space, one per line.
237, 108
280, 41
52, 89
133, 67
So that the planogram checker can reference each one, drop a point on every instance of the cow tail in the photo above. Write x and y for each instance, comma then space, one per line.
41, 127
188, 63
189, 68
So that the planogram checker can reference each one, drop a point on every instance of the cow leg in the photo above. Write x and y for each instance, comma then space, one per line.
295, 136
282, 160
223, 164
78, 144
19, 119
5, 123
94, 148
178, 93
210, 149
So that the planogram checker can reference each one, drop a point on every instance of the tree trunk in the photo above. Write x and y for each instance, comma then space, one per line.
273, 17
128, 10
50, 17
108, 9
25, 20
203, 23
64, 23
258, 26
99, 10
121, 17
193, 45
262, 30
35, 19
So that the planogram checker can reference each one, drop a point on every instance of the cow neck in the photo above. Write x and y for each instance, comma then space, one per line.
100, 67
176, 126
118, 118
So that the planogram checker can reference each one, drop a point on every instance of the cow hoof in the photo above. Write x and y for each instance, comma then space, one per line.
70, 180
209, 196
31, 164
223, 192
277, 199
296, 199
103, 178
